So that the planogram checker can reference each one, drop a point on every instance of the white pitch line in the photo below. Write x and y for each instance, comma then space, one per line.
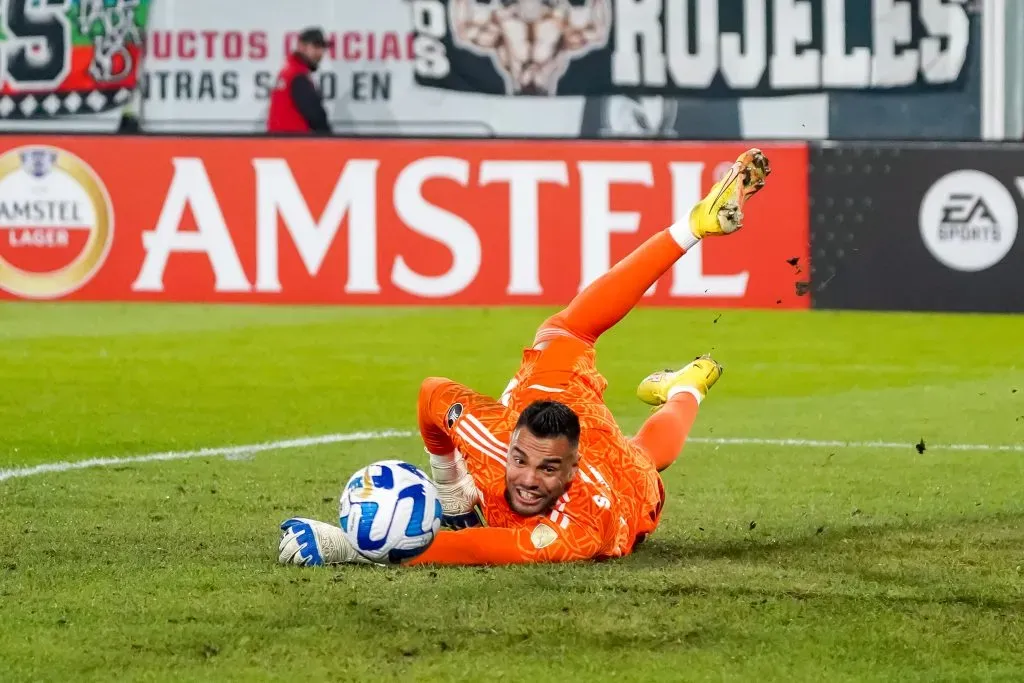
248, 449
226, 451
890, 445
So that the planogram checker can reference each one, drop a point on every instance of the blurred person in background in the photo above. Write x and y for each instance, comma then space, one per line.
295, 103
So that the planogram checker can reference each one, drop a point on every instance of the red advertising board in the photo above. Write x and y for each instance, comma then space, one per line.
379, 221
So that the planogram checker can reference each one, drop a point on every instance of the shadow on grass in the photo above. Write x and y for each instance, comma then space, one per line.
670, 552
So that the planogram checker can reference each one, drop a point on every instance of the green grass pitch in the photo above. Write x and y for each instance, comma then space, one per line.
788, 562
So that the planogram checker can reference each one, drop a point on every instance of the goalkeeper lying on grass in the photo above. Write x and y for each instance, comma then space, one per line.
546, 466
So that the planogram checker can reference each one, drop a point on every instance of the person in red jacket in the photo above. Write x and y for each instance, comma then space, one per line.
295, 104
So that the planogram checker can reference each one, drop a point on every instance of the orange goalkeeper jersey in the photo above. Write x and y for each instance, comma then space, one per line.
614, 501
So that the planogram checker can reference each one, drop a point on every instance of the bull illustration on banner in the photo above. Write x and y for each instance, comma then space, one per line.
531, 42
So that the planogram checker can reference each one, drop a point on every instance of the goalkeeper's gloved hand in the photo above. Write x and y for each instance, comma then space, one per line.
459, 496
309, 543
460, 505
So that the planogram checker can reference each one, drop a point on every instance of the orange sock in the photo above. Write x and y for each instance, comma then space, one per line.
664, 433
609, 298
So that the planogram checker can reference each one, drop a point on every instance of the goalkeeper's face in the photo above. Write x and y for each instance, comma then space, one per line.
538, 472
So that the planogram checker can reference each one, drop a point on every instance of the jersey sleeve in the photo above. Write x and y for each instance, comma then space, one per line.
440, 403
445, 405
565, 535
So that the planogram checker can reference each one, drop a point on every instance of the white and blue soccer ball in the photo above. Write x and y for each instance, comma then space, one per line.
390, 512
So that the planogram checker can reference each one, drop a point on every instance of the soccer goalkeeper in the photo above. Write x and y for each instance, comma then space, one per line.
546, 466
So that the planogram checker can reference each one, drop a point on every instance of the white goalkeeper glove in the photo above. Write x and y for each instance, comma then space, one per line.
309, 543
459, 496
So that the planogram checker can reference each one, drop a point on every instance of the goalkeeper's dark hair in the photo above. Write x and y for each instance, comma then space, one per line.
551, 419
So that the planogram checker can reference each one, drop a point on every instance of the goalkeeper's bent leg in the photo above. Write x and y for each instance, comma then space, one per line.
663, 435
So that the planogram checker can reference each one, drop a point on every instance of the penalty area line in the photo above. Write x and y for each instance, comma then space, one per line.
326, 439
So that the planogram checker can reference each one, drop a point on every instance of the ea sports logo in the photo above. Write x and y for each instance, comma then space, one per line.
56, 222
968, 220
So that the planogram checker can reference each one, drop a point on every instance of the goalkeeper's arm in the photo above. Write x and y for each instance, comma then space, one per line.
500, 546
456, 489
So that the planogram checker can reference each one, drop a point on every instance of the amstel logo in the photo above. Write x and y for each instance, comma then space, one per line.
56, 222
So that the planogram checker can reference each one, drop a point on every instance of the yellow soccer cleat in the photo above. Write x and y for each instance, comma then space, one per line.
721, 211
700, 375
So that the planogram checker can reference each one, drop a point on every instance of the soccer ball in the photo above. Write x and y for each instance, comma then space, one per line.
389, 511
